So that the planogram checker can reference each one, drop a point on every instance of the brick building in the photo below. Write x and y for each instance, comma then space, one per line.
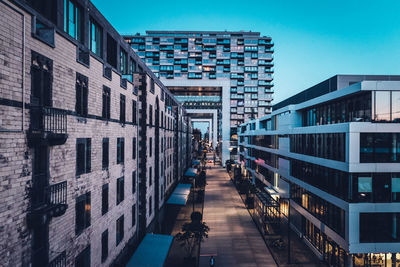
91, 142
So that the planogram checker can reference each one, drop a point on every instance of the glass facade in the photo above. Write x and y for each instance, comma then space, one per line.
379, 227
348, 109
379, 147
326, 145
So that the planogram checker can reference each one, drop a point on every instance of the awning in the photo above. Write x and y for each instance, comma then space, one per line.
191, 172
152, 251
180, 195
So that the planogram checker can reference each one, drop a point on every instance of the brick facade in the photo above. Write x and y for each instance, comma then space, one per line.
18, 152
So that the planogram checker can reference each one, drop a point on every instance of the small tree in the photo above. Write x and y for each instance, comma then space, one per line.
193, 233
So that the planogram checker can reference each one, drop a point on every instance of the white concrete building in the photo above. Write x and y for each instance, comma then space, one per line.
331, 153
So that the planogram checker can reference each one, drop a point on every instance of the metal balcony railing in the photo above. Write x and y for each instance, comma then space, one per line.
49, 120
59, 261
48, 196
56, 193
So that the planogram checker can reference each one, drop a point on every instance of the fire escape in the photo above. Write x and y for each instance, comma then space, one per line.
48, 127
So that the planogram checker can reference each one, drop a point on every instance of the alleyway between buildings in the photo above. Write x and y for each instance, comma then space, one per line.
233, 237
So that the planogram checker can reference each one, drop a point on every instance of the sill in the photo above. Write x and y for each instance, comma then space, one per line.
81, 119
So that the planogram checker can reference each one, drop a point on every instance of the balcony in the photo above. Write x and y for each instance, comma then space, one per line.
47, 201
48, 126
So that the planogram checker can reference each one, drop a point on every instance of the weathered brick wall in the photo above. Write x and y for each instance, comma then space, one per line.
15, 163
16, 157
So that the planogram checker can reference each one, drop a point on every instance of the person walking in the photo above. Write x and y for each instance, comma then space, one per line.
212, 261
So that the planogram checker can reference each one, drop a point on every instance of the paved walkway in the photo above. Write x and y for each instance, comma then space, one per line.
233, 236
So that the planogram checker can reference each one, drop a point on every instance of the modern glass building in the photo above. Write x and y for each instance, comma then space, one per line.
224, 78
330, 157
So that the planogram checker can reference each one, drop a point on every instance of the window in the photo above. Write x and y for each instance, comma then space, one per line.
120, 230
73, 20
396, 188
120, 190
104, 199
83, 155
41, 80
150, 146
81, 87
111, 51
83, 259
382, 106
133, 66
395, 106
150, 206
123, 62
150, 176
105, 157
152, 85
120, 150
379, 147
106, 111
133, 215
82, 213
48, 8
96, 38
104, 246
122, 108
379, 227
150, 115
134, 112
133, 182
134, 148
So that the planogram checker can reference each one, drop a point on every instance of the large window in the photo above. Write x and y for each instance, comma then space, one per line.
379, 227
82, 213
396, 106
81, 86
134, 112
105, 156
134, 148
122, 108
120, 150
379, 147
332, 181
382, 106
326, 145
329, 214
123, 62
104, 199
133, 182
120, 190
83, 258
104, 246
375, 187
73, 20
83, 155
106, 110
96, 38
111, 51
120, 230
353, 108
386, 106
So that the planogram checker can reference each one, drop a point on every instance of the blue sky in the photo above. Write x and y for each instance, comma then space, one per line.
314, 40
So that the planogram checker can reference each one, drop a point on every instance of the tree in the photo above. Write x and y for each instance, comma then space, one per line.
193, 233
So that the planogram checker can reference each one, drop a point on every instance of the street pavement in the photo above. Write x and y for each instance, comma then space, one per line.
233, 238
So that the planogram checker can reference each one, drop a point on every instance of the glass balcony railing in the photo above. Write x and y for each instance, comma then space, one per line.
199, 98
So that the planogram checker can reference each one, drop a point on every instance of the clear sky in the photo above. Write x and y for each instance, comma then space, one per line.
314, 40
